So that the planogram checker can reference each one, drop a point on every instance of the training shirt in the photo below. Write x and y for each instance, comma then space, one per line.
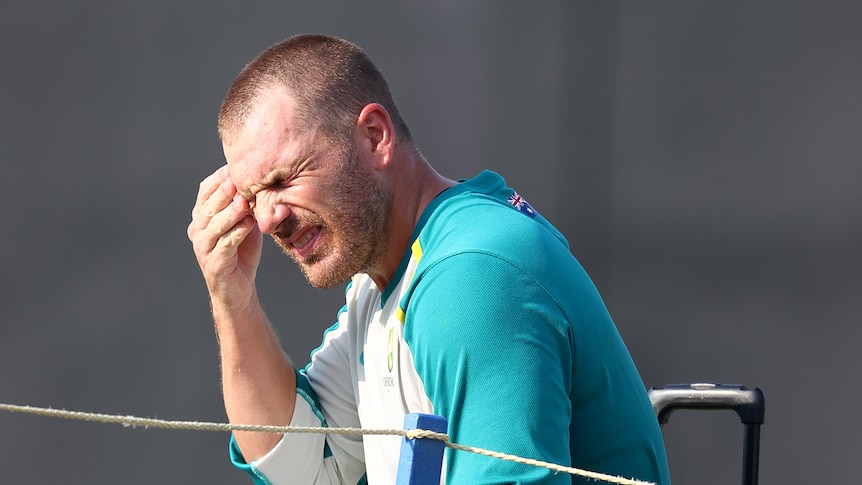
491, 323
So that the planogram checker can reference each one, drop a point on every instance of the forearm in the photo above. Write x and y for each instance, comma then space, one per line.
258, 381
322, 397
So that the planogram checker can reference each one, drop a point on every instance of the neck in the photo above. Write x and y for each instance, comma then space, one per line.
413, 184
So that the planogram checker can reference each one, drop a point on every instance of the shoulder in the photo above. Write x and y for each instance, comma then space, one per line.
481, 261
481, 208
482, 223
494, 253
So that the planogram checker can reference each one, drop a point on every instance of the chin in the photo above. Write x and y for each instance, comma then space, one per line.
324, 274
325, 283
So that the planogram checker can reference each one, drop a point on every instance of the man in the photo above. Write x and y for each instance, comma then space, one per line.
462, 300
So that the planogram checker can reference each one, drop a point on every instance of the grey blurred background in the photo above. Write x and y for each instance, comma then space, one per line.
702, 157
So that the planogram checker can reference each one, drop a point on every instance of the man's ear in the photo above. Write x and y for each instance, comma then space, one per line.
376, 134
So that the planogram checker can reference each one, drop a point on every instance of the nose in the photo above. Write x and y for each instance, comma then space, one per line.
269, 216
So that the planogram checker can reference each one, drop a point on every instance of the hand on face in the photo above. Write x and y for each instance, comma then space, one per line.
226, 241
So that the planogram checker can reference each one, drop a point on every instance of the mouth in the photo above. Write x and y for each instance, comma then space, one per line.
304, 242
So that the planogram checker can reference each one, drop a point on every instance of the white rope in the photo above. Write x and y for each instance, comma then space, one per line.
135, 421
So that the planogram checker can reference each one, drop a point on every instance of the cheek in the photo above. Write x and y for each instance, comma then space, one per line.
317, 202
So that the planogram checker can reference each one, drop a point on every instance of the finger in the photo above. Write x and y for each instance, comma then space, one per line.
218, 200
231, 214
229, 242
206, 234
210, 184
225, 255
209, 187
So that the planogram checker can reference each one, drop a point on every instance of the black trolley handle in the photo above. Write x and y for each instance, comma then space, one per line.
749, 404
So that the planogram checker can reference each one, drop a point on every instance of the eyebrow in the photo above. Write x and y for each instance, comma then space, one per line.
275, 176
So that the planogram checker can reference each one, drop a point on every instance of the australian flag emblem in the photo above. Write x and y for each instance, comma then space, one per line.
522, 205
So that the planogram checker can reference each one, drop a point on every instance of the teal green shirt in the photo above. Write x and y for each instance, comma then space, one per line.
516, 348
490, 322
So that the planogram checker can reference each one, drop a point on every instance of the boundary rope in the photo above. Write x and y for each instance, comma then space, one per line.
135, 421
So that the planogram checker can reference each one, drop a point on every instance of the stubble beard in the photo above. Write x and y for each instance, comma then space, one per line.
356, 232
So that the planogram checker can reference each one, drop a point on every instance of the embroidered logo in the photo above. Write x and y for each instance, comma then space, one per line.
521, 204
390, 359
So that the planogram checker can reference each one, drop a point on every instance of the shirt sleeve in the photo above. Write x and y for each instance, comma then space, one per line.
496, 357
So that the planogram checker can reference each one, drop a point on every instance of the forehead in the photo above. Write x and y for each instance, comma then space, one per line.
270, 137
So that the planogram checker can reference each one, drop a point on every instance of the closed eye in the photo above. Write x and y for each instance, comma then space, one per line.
278, 178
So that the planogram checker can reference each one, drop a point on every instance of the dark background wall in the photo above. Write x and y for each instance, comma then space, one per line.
702, 157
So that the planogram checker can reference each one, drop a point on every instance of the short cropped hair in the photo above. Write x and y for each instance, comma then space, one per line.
330, 79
